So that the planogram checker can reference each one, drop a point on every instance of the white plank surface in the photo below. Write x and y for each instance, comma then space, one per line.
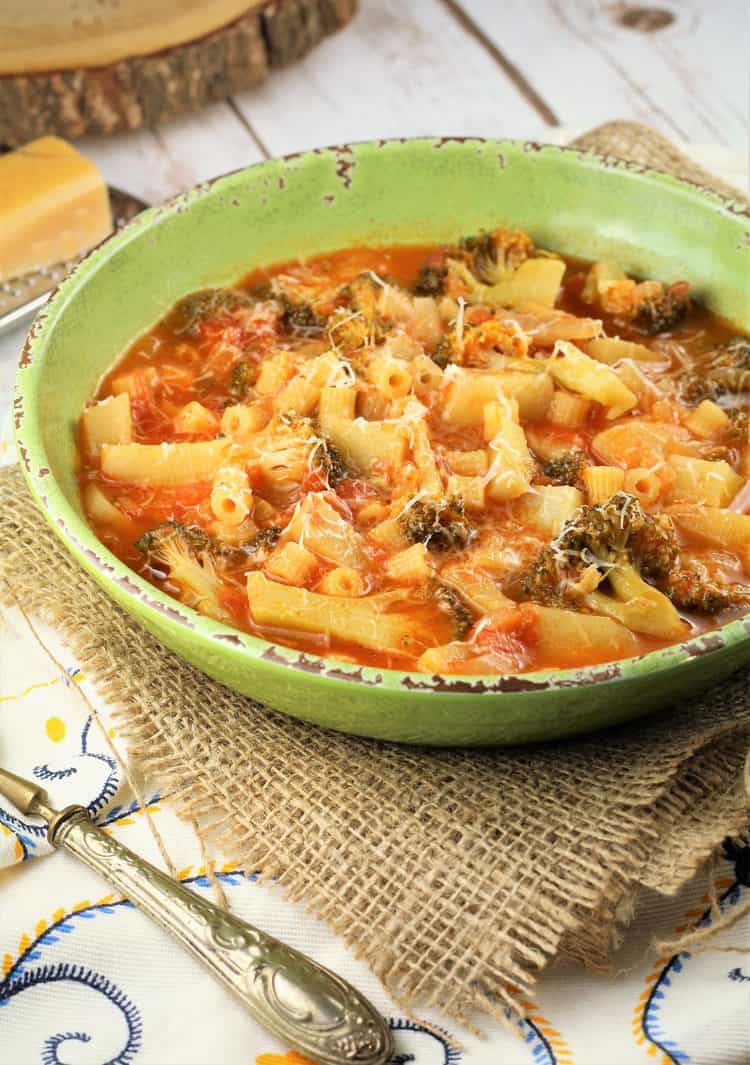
690, 80
157, 164
400, 69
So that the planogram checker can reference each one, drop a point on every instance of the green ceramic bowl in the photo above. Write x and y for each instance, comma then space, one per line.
375, 193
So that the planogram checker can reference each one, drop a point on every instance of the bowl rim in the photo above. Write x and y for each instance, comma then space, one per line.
80, 539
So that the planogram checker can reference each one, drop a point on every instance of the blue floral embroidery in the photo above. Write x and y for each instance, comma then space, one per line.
28, 833
651, 1023
451, 1055
20, 977
79, 974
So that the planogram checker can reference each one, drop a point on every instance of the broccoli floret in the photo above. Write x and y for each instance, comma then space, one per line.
348, 330
447, 350
187, 554
728, 372
602, 535
244, 376
300, 317
431, 281
491, 255
565, 468
437, 523
330, 464
363, 294
693, 589
481, 256
663, 309
205, 305
192, 558
737, 432
450, 601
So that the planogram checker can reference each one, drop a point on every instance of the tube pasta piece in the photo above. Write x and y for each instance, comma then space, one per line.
299, 396
611, 349
427, 375
599, 276
638, 605
163, 465
721, 528
389, 534
445, 658
569, 410
639, 384
468, 463
602, 482
370, 621
241, 421
594, 637
511, 465
469, 489
467, 392
337, 403
544, 325
644, 484
706, 420
342, 580
534, 281
410, 566
292, 563
275, 371
579, 373
549, 506
101, 509
713, 483
424, 459
195, 418
392, 377
231, 497
329, 371
319, 527
363, 444
106, 422
475, 587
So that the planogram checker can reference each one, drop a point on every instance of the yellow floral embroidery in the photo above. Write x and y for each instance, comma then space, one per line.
30, 688
563, 1053
55, 729
655, 973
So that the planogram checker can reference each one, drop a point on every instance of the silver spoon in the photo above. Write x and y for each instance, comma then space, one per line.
307, 1007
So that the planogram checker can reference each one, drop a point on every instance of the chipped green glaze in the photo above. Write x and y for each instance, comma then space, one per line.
393, 192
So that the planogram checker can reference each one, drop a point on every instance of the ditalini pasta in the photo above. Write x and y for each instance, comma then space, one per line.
473, 458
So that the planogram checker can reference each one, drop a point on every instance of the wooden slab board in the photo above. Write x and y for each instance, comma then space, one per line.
149, 62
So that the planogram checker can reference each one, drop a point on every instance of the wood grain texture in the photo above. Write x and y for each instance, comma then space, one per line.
399, 70
149, 90
689, 78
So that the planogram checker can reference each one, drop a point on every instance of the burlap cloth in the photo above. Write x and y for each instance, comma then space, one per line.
458, 875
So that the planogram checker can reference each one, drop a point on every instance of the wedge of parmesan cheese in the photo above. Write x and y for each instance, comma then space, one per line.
53, 205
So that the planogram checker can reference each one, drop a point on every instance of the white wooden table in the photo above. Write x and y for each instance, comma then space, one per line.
534, 69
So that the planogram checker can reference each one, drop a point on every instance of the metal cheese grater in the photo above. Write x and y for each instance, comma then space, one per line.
21, 297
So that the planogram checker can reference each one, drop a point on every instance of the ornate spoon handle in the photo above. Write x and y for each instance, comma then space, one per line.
304, 1005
